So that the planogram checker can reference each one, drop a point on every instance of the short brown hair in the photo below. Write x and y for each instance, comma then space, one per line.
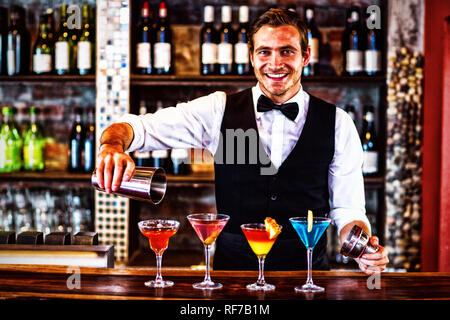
278, 18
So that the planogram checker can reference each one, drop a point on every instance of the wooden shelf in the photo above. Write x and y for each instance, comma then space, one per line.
190, 80
206, 177
47, 79
46, 175
216, 80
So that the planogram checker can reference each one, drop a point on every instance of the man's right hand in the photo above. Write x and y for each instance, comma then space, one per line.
113, 166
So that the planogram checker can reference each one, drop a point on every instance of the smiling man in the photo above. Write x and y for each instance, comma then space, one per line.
313, 145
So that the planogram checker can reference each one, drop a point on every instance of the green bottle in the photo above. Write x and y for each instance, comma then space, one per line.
10, 143
33, 145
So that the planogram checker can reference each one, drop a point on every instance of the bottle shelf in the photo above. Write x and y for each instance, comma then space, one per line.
51, 78
217, 80
201, 177
46, 175
191, 80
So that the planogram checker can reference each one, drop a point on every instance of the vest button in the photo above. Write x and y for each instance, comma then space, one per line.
273, 197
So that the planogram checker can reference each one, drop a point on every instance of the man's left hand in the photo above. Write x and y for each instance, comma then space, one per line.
371, 263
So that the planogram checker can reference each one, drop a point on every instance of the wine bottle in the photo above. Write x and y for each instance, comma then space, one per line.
314, 39
86, 45
352, 43
142, 158
163, 48
369, 143
226, 42
208, 43
241, 49
64, 46
89, 143
10, 143
144, 42
3, 36
18, 43
179, 159
43, 50
374, 42
76, 143
33, 144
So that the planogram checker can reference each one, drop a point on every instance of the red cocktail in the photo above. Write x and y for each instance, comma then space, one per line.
158, 232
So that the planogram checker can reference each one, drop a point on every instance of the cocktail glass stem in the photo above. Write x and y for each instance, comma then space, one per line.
309, 280
207, 275
261, 281
159, 278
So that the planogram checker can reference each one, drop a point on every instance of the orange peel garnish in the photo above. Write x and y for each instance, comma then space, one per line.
272, 227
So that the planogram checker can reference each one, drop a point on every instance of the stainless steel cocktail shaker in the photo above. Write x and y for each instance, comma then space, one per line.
357, 243
147, 184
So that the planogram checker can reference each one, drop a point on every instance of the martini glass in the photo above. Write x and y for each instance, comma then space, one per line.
208, 226
260, 242
309, 239
158, 232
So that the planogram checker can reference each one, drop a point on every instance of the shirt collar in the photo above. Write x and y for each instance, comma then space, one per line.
299, 98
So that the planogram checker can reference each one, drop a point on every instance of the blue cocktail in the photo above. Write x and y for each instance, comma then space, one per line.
310, 235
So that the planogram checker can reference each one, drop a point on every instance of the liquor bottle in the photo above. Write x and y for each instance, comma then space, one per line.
161, 157
10, 143
369, 143
352, 43
314, 38
89, 143
226, 42
50, 20
350, 109
64, 46
163, 48
179, 159
374, 43
75, 29
43, 50
86, 45
144, 42
241, 50
3, 36
33, 144
76, 143
18, 43
142, 158
208, 43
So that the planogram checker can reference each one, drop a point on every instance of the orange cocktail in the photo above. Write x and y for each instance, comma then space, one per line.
259, 240
158, 232
159, 238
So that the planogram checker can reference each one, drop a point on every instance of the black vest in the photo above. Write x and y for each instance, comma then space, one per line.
249, 188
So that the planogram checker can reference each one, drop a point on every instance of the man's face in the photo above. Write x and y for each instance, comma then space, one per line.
277, 60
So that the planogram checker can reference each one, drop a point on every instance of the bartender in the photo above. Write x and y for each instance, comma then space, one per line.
308, 152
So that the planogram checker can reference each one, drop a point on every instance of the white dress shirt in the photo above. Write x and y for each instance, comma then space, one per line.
196, 124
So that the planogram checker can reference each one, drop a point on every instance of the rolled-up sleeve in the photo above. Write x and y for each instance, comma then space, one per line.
345, 179
193, 124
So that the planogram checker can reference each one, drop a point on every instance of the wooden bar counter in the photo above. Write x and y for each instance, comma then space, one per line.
53, 282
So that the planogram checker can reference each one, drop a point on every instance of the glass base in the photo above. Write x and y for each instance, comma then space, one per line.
258, 287
159, 284
207, 285
309, 288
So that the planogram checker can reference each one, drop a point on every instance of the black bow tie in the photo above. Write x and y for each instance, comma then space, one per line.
290, 110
